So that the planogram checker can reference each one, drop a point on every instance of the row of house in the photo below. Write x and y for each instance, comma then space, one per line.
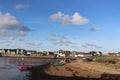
59, 53
62, 53
114, 54
16, 51
24, 52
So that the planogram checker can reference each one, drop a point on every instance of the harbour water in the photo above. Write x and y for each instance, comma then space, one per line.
9, 67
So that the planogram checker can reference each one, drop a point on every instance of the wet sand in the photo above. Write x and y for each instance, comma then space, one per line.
77, 70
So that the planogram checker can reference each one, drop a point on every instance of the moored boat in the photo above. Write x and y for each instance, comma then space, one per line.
24, 68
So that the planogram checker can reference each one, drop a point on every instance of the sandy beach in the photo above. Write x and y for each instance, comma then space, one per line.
77, 70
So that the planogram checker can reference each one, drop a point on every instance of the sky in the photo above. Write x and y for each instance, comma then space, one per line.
50, 25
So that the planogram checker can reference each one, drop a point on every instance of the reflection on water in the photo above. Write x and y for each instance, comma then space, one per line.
9, 67
29, 61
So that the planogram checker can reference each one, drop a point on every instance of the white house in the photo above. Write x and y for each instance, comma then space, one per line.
2, 51
59, 54
77, 54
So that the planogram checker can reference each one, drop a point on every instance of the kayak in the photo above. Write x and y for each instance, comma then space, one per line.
24, 68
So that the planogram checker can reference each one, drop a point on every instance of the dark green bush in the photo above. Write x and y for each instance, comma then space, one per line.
111, 61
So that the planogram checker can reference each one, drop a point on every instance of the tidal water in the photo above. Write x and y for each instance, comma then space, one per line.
9, 67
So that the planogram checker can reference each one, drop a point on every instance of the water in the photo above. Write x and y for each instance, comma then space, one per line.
9, 67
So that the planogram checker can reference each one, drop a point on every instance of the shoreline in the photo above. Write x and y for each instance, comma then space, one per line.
67, 72
21, 56
34, 56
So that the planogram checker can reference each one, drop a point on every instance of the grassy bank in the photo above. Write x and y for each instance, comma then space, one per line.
107, 59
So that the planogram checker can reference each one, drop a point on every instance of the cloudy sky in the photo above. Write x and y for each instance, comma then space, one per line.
75, 25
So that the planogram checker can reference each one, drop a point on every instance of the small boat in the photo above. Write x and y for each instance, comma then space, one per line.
24, 68
61, 63
58, 64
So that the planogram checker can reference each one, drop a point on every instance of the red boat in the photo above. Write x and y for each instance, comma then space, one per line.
24, 68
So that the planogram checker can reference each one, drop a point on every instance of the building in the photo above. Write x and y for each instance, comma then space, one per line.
111, 54
31, 52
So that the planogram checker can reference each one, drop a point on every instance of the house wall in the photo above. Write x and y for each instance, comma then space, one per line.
111, 54
2, 51
12, 52
29, 52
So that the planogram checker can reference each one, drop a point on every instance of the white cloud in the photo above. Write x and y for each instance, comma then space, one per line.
75, 19
33, 44
18, 45
24, 28
53, 34
51, 39
59, 39
75, 47
62, 42
64, 36
21, 6
22, 33
3, 34
95, 29
11, 38
84, 46
65, 41
10, 26
9, 22
91, 45
21, 40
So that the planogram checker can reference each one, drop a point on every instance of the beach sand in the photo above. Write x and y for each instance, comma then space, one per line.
77, 70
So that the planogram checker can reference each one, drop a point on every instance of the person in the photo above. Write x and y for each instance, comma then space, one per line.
67, 60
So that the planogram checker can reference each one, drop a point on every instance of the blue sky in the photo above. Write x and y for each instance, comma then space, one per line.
75, 25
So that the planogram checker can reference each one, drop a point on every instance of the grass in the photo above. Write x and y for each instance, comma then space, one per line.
106, 59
